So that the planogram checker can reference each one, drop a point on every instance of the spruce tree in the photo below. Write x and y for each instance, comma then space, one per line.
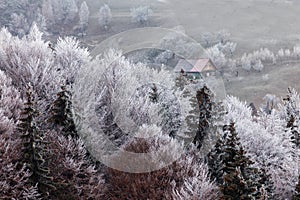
292, 125
297, 190
267, 185
62, 115
239, 179
292, 112
33, 147
205, 103
153, 95
214, 162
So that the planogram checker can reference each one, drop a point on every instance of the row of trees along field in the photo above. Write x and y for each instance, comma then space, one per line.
56, 17
57, 104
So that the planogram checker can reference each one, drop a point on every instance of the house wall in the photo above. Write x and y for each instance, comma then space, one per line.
209, 67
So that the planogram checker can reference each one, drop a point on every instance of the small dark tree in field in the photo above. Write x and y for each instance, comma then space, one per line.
33, 148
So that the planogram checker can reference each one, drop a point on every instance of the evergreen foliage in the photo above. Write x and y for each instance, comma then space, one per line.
214, 162
232, 169
205, 103
62, 115
291, 103
265, 179
33, 147
297, 190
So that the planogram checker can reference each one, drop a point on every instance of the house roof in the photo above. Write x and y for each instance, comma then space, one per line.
192, 66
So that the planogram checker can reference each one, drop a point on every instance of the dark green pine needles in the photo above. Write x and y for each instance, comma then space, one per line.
33, 147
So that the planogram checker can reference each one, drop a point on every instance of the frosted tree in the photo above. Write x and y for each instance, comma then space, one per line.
240, 179
141, 14
164, 57
14, 176
64, 11
19, 24
268, 143
186, 178
73, 174
61, 113
246, 62
48, 12
290, 112
227, 48
270, 103
70, 10
84, 16
60, 15
217, 56
69, 58
296, 52
105, 17
30, 60
297, 190
18, 16
33, 150
10, 98
258, 66
181, 45
208, 39
223, 36
122, 100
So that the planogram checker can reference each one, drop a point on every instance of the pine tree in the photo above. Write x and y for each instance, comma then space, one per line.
62, 113
265, 179
154, 94
297, 190
240, 180
292, 111
204, 98
33, 147
214, 162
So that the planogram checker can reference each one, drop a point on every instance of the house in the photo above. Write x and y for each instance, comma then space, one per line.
196, 69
